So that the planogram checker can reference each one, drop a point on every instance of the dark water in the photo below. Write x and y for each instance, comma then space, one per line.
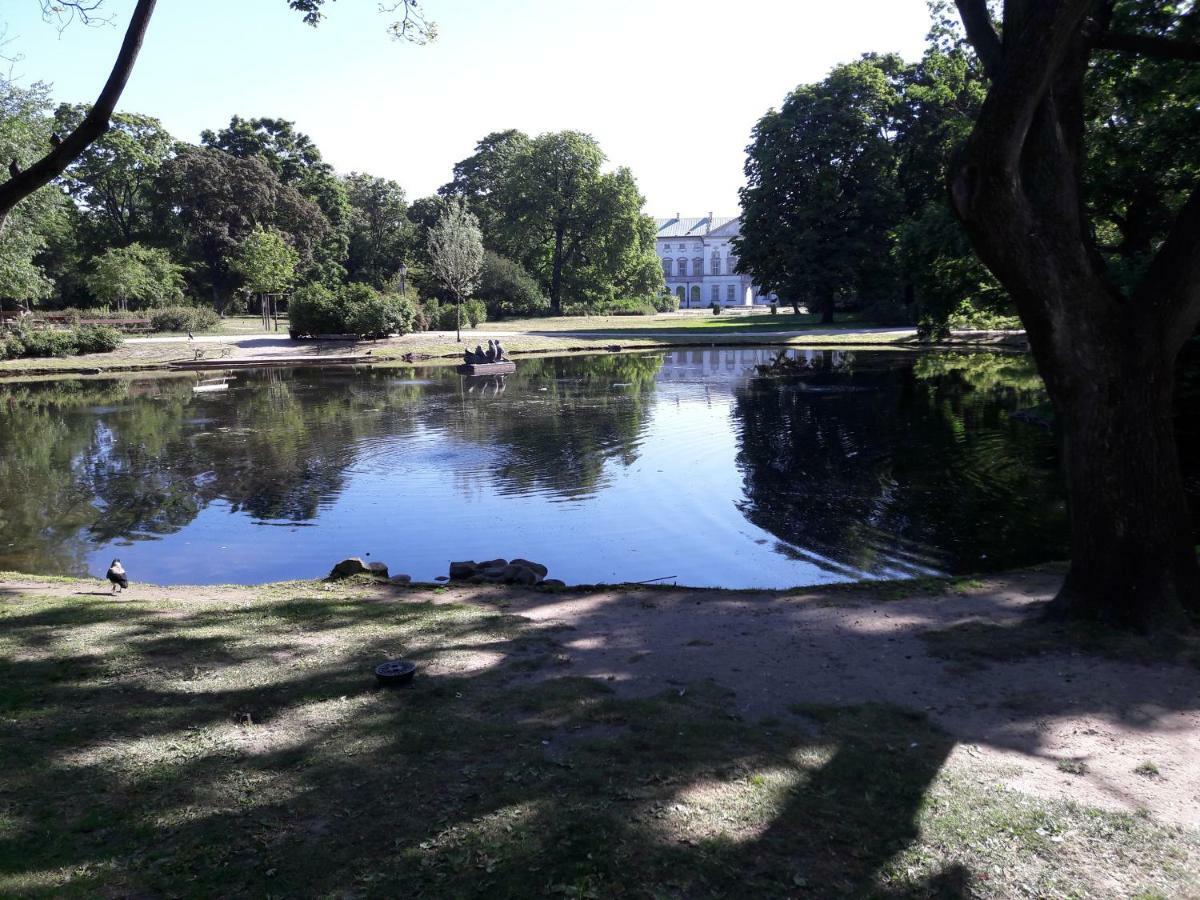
606, 468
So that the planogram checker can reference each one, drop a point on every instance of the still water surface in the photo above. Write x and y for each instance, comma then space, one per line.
605, 468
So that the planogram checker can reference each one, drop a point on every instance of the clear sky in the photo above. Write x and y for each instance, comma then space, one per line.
670, 89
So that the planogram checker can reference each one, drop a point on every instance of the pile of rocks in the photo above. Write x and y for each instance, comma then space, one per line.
502, 571
355, 566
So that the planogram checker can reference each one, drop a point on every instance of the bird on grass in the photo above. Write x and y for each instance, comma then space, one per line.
55, 140
14, 168
116, 574
191, 337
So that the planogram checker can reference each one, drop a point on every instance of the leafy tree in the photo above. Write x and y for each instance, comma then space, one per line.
216, 200
111, 180
820, 198
143, 276
296, 162
579, 230
456, 254
266, 262
1105, 337
380, 232
479, 177
508, 290
24, 128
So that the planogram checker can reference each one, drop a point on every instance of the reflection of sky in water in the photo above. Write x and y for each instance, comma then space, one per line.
423, 488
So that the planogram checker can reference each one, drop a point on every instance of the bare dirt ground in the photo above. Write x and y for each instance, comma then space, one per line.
1064, 725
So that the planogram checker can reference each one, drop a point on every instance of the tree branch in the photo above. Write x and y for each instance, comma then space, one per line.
1022, 81
981, 33
1148, 45
94, 124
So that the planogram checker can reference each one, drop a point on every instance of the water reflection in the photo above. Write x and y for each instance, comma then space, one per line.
606, 467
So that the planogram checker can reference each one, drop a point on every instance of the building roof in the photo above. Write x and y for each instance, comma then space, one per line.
701, 227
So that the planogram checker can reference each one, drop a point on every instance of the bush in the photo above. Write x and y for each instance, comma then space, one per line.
59, 342
183, 318
314, 310
97, 339
508, 290
715, 307
666, 302
356, 309
887, 313
380, 316
474, 312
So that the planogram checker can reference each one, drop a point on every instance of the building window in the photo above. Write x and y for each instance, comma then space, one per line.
730, 293
698, 266
716, 264
695, 296
732, 264
666, 268
683, 268
716, 293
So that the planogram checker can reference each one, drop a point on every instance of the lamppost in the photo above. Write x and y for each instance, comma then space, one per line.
403, 275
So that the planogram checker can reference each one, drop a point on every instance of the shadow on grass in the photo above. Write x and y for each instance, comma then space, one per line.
246, 750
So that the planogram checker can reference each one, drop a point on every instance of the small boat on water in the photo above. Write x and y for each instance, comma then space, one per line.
505, 367
208, 385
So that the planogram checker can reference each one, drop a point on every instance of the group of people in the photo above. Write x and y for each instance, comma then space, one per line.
493, 354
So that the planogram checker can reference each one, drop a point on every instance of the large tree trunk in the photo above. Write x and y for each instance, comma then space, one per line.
1107, 357
1132, 557
556, 275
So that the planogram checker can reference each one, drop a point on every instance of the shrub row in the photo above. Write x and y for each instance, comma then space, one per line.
444, 316
32, 343
356, 309
183, 318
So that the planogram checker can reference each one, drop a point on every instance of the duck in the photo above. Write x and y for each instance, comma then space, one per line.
55, 140
116, 574
14, 168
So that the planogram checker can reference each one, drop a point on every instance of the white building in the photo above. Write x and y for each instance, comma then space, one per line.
698, 262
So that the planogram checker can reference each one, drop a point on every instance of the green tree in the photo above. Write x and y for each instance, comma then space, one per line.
216, 200
820, 199
380, 232
479, 177
266, 262
456, 254
25, 128
1105, 337
579, 230
111, 180
143, 276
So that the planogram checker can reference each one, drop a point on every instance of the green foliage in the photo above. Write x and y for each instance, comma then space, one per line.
356, 309
474, 312
821, 195
184, 318
112, 180
24, 132
548, 205
42, 342
313, 310
136, 276
455, 249
665, 302
266, 262
508, 290
379, 316
380, 233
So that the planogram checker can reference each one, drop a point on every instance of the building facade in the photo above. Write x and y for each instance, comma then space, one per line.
698, 262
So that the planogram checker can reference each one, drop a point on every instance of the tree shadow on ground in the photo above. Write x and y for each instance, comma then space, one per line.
244, 749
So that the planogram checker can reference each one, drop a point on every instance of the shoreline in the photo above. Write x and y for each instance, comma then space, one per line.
141, 357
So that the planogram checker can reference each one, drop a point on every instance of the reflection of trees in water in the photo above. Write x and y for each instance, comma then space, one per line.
887, 465
88, 462
558, 423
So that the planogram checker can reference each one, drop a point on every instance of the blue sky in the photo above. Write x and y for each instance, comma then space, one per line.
670, 89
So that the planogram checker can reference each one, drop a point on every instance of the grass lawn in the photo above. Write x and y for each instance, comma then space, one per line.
232, 742
682, 323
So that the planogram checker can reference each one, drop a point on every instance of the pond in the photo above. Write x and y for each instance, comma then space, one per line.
623, 467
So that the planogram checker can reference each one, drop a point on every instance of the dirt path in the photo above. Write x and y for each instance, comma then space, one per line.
1024, 719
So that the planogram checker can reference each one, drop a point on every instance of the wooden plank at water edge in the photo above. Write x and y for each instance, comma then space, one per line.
497, 368
262, 362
